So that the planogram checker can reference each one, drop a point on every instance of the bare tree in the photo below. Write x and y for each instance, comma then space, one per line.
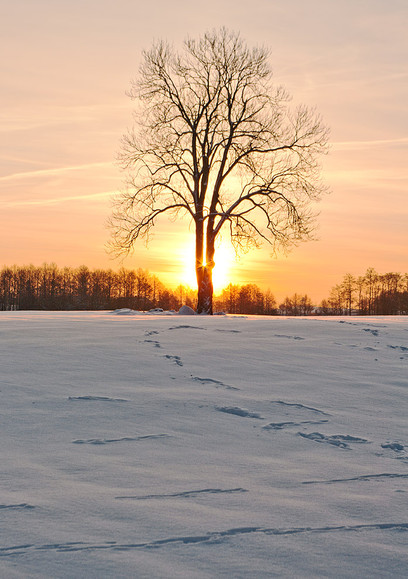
348, 288
216, 141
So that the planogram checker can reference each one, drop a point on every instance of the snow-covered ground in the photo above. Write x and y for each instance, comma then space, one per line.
165, 446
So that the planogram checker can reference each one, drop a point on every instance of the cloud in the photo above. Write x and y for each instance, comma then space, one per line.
371, 143
57, 200
55, 171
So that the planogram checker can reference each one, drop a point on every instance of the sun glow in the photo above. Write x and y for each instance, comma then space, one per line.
224, 257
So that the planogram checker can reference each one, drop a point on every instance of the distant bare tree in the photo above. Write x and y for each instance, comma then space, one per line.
348, 289
216, 141
372, 288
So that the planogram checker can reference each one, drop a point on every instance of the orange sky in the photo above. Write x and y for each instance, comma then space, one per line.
64, 70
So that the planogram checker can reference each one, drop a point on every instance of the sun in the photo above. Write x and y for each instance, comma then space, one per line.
224, 257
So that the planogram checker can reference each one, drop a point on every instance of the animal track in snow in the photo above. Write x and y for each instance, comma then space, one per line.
184, 494
151, 333
211, 538
373, 332
339, 440
175, 359
237, 411
402, 348
186, 327
101, 441
155, 342
281, 425
397, 451
360, 323
228, 331
216, 383
289, 337
393, 446
298, 406
360, 478
97, 398
21, 506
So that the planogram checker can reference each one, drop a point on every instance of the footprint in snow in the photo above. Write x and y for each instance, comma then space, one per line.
340, 440
18, 507
102, 441
156, 343
216, 383
282, 425
373, 332
360, 478
175, 359
394, 450
293, 407
184, 494
207, 538
396, 446
403, 349
186, 327
228, 331
97, 398
237, 411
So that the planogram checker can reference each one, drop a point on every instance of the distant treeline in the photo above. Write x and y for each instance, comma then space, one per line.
371, 294
51, 288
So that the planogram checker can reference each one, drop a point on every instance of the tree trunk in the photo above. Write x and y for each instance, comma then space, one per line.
204, 272
205, 290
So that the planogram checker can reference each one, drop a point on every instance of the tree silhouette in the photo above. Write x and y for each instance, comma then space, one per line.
216, 141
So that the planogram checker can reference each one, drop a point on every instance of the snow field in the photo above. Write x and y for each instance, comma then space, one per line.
178, 446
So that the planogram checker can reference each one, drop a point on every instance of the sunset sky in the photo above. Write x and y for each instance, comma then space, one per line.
65, 67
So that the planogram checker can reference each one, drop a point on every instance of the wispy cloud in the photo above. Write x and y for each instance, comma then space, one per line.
54, 171
56, 200
371, 143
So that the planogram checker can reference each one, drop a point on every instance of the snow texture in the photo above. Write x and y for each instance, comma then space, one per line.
152, 446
